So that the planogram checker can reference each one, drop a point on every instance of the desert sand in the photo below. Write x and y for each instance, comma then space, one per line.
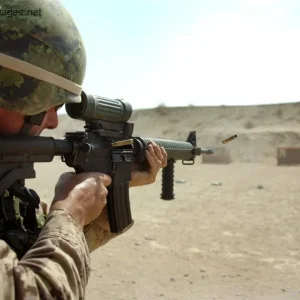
232, 231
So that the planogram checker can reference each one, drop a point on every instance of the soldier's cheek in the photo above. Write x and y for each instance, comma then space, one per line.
36, 130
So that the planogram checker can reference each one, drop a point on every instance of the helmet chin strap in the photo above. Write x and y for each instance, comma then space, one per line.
30, 121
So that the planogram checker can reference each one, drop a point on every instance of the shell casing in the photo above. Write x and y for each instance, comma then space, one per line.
122, 143
229, 139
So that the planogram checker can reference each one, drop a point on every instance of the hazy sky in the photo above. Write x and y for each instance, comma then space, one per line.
200, 52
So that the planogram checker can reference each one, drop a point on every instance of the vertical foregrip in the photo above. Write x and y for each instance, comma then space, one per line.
167, 192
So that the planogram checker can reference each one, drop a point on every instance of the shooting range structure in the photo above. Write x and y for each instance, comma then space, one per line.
288, 156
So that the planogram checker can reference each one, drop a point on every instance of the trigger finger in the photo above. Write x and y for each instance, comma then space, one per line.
106, 179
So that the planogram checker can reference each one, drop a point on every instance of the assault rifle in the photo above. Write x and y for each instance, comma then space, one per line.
106, 145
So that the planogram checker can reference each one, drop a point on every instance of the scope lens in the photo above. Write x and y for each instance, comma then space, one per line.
76, 110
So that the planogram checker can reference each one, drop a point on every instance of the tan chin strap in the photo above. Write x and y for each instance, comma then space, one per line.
39, 73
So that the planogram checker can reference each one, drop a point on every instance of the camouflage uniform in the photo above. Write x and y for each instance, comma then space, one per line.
56, 267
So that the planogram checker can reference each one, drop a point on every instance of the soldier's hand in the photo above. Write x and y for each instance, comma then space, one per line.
157, 158
83, 195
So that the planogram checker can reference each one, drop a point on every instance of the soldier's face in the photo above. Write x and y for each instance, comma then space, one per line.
11, 122
50, 122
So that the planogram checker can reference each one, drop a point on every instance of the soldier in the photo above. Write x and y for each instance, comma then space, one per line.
42, 67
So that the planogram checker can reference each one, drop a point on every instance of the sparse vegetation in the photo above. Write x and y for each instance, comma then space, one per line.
161, 110
249, 125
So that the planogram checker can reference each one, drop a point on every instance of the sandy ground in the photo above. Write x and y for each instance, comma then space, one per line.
233, 241
228, 241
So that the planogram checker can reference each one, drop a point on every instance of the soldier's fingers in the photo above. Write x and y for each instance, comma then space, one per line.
157, 151
106, 179
165, 157
151, 160
158, 162
151, 149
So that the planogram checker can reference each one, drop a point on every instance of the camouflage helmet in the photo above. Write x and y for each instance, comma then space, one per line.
41, 37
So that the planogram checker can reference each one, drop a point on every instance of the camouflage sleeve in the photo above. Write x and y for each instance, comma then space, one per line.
56, 267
